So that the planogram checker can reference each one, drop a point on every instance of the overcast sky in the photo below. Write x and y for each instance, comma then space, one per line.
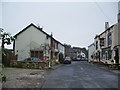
74, 23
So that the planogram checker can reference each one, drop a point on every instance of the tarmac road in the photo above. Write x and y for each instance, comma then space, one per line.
79, 74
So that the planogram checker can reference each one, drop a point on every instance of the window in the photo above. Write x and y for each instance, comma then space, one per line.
38, 54
96, 45
47, 36
102, 42
109, 39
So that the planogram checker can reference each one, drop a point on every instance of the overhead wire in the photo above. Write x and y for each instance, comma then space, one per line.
99, 7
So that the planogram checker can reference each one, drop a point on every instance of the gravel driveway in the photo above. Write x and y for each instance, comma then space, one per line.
23, 78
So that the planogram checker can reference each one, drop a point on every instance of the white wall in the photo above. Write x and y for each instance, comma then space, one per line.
61, 48
90, 51
114, 36
28, 40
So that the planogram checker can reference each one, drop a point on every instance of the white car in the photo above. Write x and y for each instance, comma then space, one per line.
78, 59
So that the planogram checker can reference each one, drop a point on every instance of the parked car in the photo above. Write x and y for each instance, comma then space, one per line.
78, 59
84, 59
33, 59
74, 58
67, 60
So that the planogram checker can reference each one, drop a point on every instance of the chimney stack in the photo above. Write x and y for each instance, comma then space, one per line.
51, 34
106, 25
38, 26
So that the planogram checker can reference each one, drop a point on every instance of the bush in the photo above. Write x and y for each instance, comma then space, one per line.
4, 78
2, 65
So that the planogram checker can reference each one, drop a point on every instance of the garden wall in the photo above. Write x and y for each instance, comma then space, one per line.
20, 64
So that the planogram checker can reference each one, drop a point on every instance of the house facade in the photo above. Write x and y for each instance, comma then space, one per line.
106, 45
91, 52
32, 41
61, 48
57, 51
68, 50
119, 30
61, 52
75, 52
79, 52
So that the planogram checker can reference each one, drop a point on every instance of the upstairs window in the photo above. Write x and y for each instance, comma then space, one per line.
102, 41
96, 45
47, 36
109, 39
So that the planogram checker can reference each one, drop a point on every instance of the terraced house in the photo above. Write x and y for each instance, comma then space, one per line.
32, 41
107, 45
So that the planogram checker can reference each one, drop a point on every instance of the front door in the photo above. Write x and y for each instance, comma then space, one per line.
116, 56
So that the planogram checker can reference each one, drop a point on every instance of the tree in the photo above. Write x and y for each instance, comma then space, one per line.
6, 38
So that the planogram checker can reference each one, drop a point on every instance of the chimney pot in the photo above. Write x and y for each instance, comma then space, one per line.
106, 25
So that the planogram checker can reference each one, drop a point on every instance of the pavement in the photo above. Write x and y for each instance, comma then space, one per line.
23, 78
79, 74
103, 66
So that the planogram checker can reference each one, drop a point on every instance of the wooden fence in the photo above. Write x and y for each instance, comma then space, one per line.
6, 59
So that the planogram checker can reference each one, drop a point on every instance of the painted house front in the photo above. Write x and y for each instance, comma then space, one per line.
91, 50
32, 42
58, 51
61, 48
61, 53
106, 45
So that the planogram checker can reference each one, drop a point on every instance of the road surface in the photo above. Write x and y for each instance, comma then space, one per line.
79, 74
